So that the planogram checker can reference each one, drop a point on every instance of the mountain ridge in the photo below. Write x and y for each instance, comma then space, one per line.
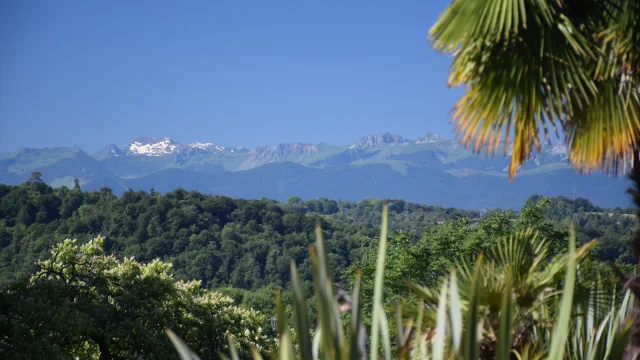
388, 160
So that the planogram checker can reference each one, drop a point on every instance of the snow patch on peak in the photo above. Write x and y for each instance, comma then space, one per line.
200, 145
209, 146
153, 147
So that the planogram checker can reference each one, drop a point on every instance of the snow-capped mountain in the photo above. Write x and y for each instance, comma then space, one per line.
208, 146
386, 147
158, 147
203, 146
426, 169
152, 146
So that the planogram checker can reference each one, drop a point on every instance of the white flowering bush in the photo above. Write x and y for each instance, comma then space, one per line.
83, 303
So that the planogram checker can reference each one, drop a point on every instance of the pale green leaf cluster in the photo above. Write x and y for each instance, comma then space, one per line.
92, 305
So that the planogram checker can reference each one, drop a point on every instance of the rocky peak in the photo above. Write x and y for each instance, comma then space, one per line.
63, 152
108, 151
378, 140
296, 149
277, 153
285, 150
428, 138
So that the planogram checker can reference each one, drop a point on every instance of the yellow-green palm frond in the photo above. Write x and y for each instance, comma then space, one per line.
605, 134
530, 67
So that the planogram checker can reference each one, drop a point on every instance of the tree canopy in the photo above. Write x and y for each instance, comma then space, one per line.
85, 304
141, 251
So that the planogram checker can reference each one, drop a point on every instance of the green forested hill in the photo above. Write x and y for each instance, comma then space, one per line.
222, 241
246, 244
240, 248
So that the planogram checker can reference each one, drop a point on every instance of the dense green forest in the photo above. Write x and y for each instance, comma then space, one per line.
242, 248
247, 244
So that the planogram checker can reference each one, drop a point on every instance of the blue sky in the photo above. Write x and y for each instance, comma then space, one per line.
236, 73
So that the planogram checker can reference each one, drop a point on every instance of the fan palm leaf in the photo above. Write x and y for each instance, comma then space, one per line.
532, 67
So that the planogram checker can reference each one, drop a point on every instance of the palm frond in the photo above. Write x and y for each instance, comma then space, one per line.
532, 67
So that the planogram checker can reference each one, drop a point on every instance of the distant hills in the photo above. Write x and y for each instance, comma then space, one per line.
429, 169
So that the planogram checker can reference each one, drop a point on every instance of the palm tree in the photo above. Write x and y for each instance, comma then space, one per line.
521, 268
530, 67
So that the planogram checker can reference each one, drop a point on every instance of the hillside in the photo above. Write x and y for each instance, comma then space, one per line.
248, 243
238, 248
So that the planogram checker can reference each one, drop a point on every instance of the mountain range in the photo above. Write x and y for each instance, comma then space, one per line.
429, 169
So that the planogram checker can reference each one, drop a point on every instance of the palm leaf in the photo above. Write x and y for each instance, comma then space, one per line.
183, 350
378, 312
455, 313
356, 347
300, 314
441, 325
530, 65
506, 317
471, 340
561, 330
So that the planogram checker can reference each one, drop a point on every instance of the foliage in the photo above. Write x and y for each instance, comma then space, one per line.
244, 248
428, 259
247, 244
507, 304
222, 241
530, 65
225, 242
519, 266
424, 261
85, 304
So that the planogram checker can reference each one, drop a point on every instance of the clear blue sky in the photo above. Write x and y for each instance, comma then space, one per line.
237, 73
